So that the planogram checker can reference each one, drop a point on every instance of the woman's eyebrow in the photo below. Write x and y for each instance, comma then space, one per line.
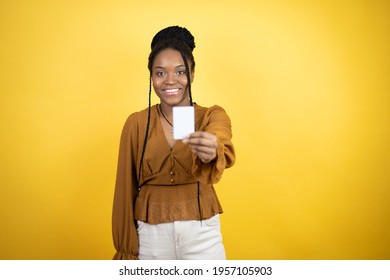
161, 67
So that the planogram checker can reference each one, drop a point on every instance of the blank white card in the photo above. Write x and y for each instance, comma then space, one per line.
183, 121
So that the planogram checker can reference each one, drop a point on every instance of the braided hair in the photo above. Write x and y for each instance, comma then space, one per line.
177, 38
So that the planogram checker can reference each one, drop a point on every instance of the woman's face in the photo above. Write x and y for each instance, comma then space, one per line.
169, 78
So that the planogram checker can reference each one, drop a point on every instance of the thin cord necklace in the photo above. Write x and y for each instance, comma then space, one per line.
159, 107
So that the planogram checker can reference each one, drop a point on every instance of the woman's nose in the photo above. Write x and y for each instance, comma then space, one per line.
171, 79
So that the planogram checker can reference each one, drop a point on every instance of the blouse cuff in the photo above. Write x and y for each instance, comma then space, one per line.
124, 256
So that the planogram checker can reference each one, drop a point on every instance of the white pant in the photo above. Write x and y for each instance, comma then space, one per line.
181, 240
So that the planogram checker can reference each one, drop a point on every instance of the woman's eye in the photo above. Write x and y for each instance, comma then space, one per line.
181, 73
160, 74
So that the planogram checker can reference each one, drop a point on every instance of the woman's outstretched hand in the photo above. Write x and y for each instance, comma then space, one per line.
203, 144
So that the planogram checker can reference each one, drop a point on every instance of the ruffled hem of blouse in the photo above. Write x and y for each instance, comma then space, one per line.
156, 212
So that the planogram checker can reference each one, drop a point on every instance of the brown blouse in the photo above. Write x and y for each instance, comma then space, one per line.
169, 177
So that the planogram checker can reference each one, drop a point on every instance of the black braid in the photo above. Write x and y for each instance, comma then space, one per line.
188, 78
146, 133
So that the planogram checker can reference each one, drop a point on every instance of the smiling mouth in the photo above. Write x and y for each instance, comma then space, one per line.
173, 91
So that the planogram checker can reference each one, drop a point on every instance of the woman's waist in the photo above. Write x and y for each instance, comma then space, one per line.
158, 204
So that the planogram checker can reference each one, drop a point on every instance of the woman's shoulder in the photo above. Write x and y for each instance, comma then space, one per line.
138, 118
139, 115
213, 111
211, 115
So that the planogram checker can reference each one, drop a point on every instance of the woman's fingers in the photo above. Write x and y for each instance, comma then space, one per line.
203, 144
201, 138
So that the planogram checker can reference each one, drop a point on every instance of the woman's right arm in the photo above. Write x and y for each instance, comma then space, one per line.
124, 231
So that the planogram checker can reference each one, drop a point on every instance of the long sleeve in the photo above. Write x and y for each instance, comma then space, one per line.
124, 231
217, 122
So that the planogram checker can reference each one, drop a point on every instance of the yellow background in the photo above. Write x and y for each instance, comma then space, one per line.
306, 84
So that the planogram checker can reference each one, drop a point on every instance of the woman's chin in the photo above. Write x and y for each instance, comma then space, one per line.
174, 100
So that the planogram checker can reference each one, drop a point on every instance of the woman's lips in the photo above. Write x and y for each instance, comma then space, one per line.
172, 91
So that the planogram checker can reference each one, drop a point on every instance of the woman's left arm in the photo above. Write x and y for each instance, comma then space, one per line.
212, 148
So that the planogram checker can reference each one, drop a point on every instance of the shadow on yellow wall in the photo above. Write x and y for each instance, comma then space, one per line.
305, 84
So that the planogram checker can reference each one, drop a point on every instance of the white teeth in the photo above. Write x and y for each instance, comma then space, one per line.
171, 90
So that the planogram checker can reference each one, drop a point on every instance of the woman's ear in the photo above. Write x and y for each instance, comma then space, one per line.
192, 75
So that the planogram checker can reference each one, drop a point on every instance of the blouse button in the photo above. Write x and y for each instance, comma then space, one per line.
171, 173
172, 180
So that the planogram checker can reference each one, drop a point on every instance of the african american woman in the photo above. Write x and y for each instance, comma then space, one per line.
165, 205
